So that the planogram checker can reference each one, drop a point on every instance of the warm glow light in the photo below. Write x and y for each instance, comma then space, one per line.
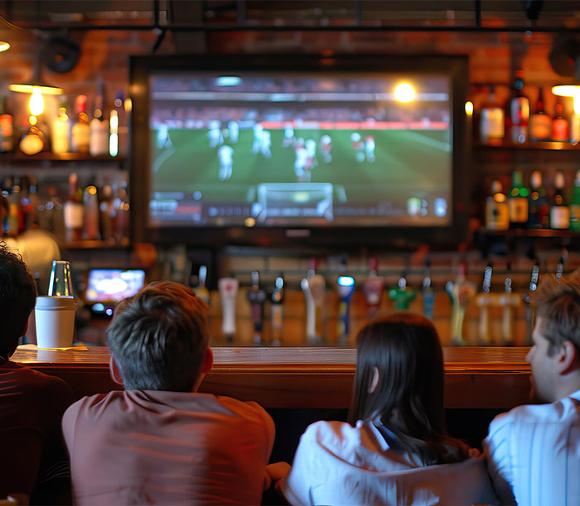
469, 108
566, 90
404, 92
36, 103
4, 46
29, 88
114, 133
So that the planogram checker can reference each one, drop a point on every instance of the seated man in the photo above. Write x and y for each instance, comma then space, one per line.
534, 451
159, 441
31, 403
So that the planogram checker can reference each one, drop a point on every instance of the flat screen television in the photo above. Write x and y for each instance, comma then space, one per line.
272, 150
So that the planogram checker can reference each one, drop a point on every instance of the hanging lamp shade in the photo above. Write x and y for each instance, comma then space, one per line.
4, 46
36, 83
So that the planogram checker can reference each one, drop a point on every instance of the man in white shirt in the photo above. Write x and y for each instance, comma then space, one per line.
533, 452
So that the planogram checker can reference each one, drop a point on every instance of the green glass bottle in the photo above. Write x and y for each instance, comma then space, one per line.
575, 205
518, 201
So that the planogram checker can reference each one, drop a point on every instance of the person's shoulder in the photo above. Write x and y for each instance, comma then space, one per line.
94, 406
333, 433
34, 381
530, 414
243, 409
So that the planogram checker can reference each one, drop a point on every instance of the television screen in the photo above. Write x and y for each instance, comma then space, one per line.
113, 285
303, 148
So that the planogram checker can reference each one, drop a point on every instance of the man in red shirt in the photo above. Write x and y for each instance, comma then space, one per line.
160, 441
31, 403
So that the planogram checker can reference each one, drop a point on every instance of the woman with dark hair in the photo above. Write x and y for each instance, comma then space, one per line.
395, 449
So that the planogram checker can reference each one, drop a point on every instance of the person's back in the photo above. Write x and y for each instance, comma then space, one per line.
533, 451
394, 450
31, 403
160, 442
155, 447
337, 463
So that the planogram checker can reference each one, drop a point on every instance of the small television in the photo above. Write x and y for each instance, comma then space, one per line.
281, 150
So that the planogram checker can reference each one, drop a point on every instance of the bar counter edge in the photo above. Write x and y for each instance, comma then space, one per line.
301, 377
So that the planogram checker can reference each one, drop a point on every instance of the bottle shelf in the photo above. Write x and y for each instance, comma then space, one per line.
97, 245
530, 233
530, 146
64, 157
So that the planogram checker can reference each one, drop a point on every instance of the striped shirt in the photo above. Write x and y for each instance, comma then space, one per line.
533, 454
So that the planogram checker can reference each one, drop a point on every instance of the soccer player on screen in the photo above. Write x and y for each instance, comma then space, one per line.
310, 156
234, 131
358, 147
257, 144
226, 159
300, 160
288, 136
370, 148
326, 148
266, 145
214, 134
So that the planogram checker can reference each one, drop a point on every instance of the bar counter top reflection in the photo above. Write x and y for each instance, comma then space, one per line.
301, 377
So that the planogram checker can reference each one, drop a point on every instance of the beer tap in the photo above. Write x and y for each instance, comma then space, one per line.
314, 288
508, 301
528, 300
484, 300
427, 292
460, 292
200, 285
402, 296
346, 287
277, 309
373, 288
228, 288
256, 297
561, 264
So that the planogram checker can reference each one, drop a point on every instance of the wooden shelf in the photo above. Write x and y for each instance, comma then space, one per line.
64, 157
98, 245
530, 233
530, 146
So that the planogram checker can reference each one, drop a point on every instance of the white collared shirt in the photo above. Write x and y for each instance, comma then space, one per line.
533, 453
336, 464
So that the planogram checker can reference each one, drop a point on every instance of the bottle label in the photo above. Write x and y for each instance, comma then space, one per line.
540, 127
99, 142
520, 111
73, 215
80, 138
492, 124
518, 210
6, 133
560, 130
560, 217
496, 215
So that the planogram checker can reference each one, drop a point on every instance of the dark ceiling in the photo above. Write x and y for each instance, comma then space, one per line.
207, 15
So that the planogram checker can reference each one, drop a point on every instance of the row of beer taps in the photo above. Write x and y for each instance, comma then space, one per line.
461, 292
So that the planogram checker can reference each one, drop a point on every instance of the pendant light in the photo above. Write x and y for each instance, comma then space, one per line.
36, 83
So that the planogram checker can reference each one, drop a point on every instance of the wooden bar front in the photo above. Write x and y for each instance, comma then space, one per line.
475, 378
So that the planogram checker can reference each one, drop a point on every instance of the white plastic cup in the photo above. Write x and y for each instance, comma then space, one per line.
55, 321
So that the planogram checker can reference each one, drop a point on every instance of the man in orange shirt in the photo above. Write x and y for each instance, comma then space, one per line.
160, 441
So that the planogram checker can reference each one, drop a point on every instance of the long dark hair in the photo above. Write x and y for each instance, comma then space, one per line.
407, 403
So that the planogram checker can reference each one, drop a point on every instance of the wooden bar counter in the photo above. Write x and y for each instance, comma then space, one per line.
475, 378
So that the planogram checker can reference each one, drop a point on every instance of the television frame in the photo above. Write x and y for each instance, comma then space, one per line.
298, 237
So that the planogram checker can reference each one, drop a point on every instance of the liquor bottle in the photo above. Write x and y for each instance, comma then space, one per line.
6, 127
122, 209
80, 131
560, 124
519, 111
108, 214
539, 209
492, 127
61, 129
518, 201
540, 122
15, 218
99, 126
560, 211
51, 214
73, 211
575, 205
33, 140
497, 215
91, 229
